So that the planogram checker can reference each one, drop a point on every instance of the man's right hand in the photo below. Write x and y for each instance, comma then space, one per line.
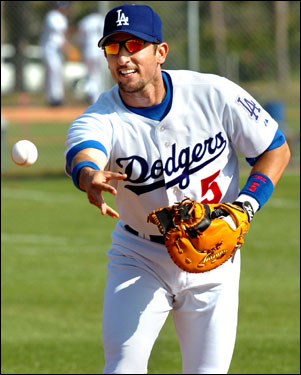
94, 182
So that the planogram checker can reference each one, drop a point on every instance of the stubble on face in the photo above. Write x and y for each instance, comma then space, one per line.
138, 86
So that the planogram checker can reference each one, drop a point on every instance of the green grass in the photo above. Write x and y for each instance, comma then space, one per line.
268, 333
49, 139
53, 268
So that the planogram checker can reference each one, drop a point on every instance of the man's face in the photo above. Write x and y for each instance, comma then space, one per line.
134, 71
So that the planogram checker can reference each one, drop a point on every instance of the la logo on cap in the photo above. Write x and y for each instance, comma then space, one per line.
122, 19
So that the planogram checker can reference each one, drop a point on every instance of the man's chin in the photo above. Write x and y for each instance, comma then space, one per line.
131, 89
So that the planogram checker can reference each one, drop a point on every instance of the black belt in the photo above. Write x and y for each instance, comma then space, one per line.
153, 238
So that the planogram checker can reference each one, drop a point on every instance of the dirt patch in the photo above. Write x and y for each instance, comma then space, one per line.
41, 114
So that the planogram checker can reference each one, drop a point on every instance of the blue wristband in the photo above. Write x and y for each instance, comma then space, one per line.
258, 186
78, 167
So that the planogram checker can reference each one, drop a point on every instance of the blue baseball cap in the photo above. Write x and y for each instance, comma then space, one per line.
139, 20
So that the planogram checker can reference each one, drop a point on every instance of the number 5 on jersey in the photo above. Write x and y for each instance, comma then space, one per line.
208, 184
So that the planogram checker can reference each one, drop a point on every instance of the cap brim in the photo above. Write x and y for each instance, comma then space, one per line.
143, 36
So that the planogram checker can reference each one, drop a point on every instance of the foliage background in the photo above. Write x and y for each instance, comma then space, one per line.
249, 27
248, 49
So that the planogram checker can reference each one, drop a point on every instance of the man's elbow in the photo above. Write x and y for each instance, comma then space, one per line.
286, 154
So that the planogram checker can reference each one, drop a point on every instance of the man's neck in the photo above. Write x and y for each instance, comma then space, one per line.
152, 94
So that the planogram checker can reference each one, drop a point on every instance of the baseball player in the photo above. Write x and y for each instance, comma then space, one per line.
89, 29
154, 138
53, 41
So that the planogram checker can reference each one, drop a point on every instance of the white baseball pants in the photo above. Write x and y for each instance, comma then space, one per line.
54, 75
144, 285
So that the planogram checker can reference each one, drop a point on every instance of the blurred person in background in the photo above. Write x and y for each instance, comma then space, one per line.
53, 42
89, 29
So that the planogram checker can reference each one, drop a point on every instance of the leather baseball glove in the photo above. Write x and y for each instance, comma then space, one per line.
72, 53
197, 236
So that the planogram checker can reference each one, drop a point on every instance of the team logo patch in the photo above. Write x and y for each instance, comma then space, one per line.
250, 106
122, 19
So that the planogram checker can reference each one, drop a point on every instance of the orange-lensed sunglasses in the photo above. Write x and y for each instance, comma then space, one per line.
131, 45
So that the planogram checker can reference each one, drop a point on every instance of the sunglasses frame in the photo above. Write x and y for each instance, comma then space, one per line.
123, 44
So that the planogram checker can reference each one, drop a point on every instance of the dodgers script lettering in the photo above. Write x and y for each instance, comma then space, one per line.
188, 161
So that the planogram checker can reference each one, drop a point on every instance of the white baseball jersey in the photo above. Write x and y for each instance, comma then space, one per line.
54, 29
190, 152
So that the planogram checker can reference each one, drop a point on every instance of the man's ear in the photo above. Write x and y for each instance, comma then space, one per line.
161, 52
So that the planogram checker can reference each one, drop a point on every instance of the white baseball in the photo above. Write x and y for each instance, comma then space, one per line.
24, 153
